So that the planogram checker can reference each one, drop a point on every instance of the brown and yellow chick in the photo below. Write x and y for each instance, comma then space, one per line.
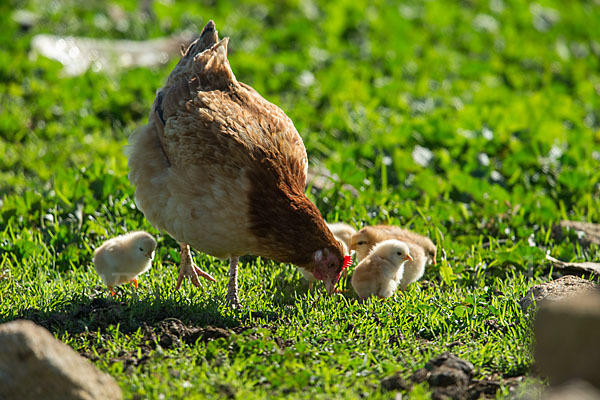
379, 273
422, 249
121, 259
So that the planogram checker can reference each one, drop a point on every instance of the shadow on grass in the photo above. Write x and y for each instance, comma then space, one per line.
81, 314
168, 323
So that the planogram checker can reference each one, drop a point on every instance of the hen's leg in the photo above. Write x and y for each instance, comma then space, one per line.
189, 269
232, 287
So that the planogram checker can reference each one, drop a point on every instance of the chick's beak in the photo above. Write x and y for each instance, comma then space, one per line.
409, 257
150, 254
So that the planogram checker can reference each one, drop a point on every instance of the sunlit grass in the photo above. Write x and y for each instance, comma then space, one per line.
476, 125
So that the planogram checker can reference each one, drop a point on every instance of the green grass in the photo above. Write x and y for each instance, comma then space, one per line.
505, 95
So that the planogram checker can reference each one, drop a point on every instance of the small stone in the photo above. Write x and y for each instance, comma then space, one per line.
447, 376
558, 289
395, 382
420, 375
35, 365
449, 360
566, 339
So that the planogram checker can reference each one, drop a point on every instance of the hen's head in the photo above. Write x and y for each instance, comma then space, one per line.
328, 264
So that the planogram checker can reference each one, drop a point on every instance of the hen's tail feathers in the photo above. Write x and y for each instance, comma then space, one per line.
211, 68
203, 66
207, 38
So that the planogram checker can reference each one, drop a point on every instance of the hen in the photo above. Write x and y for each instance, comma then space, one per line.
221, 169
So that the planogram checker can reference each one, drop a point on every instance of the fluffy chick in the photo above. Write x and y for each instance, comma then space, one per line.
378, 274
121, 259
422, 249
342, 232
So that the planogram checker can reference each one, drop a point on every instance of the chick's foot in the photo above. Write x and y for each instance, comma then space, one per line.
189, 269
232, 287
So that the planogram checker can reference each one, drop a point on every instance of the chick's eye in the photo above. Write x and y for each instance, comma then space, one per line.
361, 243
141, 249
399, 253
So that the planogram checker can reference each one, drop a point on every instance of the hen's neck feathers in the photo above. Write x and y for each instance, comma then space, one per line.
288, 225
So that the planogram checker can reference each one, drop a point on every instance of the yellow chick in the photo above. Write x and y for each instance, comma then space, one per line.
121, 259
421, 248
379, 273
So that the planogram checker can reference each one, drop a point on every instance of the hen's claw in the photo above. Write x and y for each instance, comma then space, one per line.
203, 274
189, 269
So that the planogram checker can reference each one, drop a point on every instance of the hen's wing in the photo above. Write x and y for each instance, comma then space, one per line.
209, 118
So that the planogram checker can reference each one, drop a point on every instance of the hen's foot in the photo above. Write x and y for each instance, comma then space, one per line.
232, 287
189, 269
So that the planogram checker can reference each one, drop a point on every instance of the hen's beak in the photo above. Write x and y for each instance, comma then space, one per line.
434, 262
408, 257
330, 286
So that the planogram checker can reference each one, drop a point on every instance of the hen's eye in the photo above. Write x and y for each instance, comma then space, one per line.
361, 243
331, 265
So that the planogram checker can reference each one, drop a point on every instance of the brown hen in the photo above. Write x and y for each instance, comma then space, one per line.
221, 169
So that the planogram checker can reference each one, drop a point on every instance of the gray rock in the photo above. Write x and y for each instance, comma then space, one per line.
566, 339
558, 289
35, 365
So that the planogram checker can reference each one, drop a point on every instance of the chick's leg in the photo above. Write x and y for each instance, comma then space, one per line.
189, 269
232, 287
